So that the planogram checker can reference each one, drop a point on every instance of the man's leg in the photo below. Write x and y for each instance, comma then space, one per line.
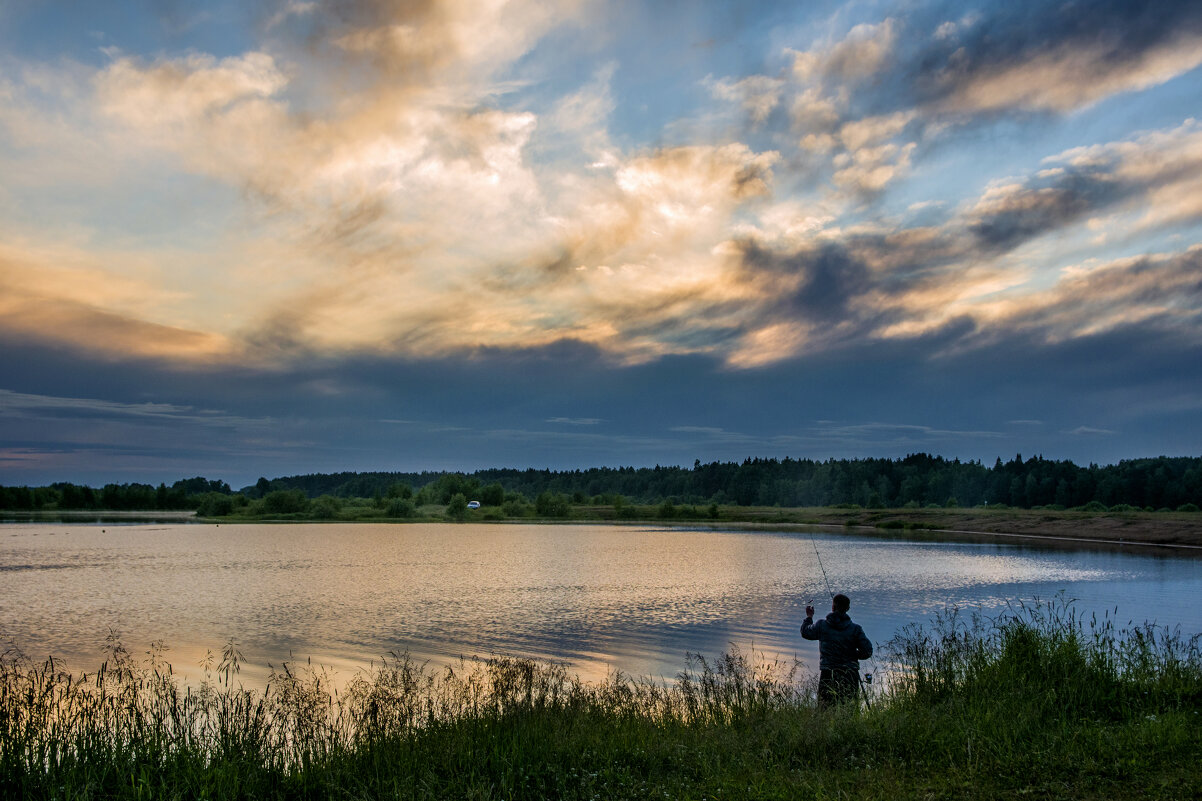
845, 685
827, 691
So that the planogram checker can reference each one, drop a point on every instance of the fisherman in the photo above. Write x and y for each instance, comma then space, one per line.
841, 646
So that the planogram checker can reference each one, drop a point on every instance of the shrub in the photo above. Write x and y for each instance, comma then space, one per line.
1093, 506
552, 504
457, 507
401, 507
282, 502
215, 504
1188, 507
515, 507
492, 495
326, 507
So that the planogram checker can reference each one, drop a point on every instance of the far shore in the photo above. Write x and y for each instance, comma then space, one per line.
1179, 531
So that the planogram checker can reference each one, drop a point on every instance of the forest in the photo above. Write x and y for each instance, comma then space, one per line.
918, 480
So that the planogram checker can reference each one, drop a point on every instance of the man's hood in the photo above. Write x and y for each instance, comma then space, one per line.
838, 620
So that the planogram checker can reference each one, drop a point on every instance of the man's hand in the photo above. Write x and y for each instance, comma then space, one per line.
809, 611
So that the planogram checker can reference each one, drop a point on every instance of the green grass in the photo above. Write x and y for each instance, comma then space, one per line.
1037, 703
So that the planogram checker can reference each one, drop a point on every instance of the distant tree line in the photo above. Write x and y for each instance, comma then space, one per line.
183, 494
917, 480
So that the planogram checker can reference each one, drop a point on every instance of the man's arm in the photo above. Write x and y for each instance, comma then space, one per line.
863, 646
808, 630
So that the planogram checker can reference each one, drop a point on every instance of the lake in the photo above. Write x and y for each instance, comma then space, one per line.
601, 597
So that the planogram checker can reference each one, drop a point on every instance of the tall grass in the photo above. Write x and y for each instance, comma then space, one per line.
1036, 701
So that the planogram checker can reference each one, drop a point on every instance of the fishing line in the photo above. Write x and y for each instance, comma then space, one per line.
820, 567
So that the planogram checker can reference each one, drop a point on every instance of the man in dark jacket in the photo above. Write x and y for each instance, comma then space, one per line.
841, 646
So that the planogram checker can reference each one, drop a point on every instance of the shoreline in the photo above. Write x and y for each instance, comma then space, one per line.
1175, 531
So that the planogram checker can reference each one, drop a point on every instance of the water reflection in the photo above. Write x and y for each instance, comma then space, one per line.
600, 597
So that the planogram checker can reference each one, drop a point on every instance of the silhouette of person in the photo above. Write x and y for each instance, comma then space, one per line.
841, 646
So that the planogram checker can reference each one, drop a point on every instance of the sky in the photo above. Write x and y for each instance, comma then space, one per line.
262, 239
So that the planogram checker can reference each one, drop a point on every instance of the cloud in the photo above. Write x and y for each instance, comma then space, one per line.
862, 53
1160, 170
887, 280
64, 294
901, 432
866, 155
1158, 173
759, 95
417, 196
866, 100
289, 9
177, 92
576, 421
868, 170
1087, 431
1152, 290
583, 115
869, 131
1034, 56
446, 41
398, 204
29, 406
1010, 214
822, 280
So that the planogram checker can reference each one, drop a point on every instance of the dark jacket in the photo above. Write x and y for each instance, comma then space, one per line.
841, 643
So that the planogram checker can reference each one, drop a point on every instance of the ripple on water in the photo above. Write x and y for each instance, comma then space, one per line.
600, 597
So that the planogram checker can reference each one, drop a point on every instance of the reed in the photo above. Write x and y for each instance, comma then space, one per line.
1035, 701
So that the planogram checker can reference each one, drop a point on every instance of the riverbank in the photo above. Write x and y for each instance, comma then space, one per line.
1032, 704
1128, 527
1178, 530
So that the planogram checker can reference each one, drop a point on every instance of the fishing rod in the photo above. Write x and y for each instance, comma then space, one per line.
820, 567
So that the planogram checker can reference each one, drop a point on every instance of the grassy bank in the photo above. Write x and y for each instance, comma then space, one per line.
1037, 703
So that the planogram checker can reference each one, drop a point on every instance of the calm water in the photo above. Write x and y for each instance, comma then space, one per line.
600, 597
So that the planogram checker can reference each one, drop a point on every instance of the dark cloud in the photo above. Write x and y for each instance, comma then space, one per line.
1045, 204
1006, 34
502, 408
1153, 293
829, 278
